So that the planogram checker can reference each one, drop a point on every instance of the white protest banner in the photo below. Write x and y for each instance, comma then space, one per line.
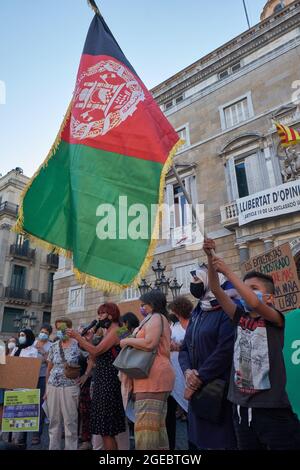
271, 202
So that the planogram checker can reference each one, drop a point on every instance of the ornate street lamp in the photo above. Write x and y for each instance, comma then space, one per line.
25, 320
164, 285
144, 287
158, 270
161, 283
32, 320
175, 288
17, 322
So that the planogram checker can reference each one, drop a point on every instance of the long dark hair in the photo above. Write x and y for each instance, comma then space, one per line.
157, 300
131, 319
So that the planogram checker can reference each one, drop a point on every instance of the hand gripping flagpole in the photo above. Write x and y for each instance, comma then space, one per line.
190, 202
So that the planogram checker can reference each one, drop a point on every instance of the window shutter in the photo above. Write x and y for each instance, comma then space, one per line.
276, 167
256, 173
227, 182
263, 171
232, 177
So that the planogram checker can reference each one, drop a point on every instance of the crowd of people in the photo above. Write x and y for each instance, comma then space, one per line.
218, 366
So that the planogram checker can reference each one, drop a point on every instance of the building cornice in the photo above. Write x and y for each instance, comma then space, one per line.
236, 49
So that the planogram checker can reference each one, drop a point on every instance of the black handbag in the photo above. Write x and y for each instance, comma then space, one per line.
208, 402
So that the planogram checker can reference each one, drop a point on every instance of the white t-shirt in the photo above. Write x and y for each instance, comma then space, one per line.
177, 335
30, 351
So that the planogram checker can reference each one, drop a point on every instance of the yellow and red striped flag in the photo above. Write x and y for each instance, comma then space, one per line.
288, 136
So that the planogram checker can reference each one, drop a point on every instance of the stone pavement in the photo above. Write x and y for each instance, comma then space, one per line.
181, 438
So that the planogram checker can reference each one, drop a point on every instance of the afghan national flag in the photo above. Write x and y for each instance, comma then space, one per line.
92, 196
288, 135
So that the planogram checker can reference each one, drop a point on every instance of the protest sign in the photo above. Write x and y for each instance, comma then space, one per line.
279, 263
21, 411
20, 372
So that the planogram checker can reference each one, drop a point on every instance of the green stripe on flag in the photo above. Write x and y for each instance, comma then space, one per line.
61, 204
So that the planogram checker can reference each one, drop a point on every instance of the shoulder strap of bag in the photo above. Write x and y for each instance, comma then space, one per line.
145, 321
141, 325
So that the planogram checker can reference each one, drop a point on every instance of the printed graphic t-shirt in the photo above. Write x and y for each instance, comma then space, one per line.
258, 376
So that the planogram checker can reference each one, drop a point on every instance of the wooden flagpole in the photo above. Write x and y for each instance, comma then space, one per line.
190, 202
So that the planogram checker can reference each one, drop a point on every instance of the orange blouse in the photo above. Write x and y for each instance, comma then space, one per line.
162, 376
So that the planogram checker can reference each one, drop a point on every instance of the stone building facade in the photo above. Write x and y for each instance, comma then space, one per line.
26, 271
223, 105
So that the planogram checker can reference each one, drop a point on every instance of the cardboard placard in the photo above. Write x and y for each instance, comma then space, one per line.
20, 372
21, 412
279, 263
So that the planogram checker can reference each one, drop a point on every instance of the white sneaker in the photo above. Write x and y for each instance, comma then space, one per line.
85, 446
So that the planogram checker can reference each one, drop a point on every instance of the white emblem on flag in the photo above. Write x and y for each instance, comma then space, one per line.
106, 94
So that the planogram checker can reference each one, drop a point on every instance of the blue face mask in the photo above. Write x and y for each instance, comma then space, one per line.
247, 307
43, 336
61, 335
22, 339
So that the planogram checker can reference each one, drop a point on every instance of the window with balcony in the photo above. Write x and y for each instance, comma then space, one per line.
9, 315
8, 208
16, 290
241, 178
180, 225
247, 175
46, 297
52, 260
18, 277
46, 317
236, 112
251, 166
21, 249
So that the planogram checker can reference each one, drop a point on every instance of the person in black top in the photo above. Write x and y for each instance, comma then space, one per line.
263, 417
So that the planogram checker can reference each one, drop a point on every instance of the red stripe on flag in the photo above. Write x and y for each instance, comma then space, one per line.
113, 111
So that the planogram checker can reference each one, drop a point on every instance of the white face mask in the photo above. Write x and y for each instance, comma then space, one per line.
11, 345
22, 339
